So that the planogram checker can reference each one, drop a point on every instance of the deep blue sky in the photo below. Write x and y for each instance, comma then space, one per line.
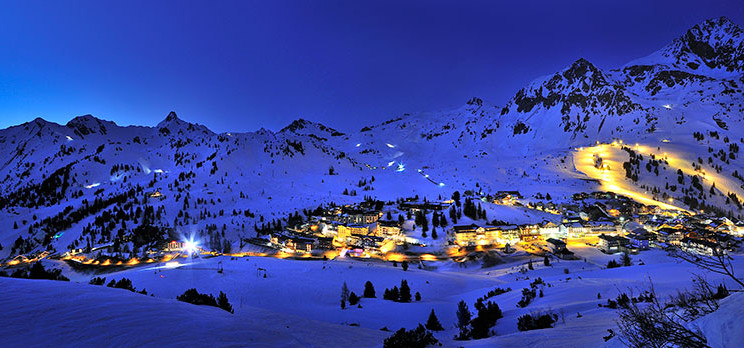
239, 66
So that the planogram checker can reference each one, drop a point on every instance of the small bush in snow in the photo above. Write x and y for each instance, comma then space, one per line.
194, 297
417, 338
535, 321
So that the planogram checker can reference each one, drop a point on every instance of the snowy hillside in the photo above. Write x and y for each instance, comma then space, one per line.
177, 206
686, 98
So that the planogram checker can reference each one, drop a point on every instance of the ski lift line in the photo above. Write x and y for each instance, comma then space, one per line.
426, 176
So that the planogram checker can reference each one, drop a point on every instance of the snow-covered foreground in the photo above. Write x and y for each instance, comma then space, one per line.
297, 304
43, 313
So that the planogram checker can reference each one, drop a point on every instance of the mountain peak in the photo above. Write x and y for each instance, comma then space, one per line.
87, 124
723, 24
174, 125
171, 116
299, 124
716, 44
579, 68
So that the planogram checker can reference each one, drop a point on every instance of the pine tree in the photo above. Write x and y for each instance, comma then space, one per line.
223, 303
626, 260
433, 323
546, 261
369, 290
463, 315
344, 292
353, 299
404, 265
405, 292
417, 297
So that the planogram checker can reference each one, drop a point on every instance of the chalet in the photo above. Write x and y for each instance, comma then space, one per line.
506, 197
722, 225
657, 225
529, 232
173, 246
601, 227
515, 194
549, 229
301, 244
739, 229
157, 195
556, 245
670, 235
293, 242
388, 228
701, 246
612, 244
639, 238
602, 195
558, 248
416, 207
570, 216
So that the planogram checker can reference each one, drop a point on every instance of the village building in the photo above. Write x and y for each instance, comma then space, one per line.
507, 197
549, 229
558, 248
738, 229
701, 246
529, 232
472, 235
639, 238
173, 245
345, 231
611, 244
359, 217
601, 227
416, 207
293, 243
573, 229
509, 234
556, 245
670, 235
388, 228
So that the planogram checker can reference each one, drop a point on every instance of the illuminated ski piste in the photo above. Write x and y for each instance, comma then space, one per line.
612, 175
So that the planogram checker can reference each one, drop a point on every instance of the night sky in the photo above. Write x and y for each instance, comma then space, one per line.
240, 66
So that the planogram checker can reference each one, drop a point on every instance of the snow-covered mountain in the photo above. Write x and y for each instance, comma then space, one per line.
57, 180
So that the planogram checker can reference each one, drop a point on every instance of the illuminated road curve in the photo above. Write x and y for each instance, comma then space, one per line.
612, 175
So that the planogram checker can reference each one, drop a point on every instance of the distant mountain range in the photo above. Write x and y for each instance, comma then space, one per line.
693, 85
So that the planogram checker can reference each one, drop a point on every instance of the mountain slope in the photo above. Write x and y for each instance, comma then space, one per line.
90, 181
